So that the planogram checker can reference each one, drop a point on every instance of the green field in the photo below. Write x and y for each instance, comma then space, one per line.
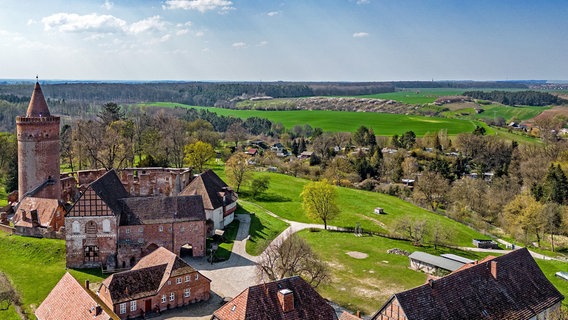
384, 124
263, 227
495, 111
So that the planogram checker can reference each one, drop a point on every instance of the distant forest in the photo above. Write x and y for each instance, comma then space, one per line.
84, 100
517, 98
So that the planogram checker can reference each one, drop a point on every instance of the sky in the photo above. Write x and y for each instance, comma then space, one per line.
290, 40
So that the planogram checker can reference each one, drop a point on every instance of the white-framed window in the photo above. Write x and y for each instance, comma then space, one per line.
169, 282
178, 280
187, 278
187, 292
172, 296
164, 298
141, 229
161, 228
127, 230
196, 276
133, 305
106, 225
140, 240
182, 229
123, 308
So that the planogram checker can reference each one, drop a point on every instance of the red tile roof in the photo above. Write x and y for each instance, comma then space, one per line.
519, 291
38, 106
261, 302
348, 316
46, 210
70, 301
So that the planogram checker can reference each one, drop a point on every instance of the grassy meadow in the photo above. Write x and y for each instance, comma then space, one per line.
384, 124
416, 96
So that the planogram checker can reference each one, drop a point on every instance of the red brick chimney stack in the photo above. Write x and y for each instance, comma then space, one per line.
494, 269
286, 299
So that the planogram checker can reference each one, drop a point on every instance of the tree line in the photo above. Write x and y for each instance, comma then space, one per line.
517, 98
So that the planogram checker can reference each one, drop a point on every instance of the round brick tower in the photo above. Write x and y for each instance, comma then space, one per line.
38, 150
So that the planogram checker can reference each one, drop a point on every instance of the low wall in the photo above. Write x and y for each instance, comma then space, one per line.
7, 229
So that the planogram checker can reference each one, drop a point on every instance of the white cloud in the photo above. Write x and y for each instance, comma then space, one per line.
165, 38
199, 5
182, 32
273, 13
199, 34
239, 45
262, 43
107, 5
363, 1
72, 22
149, 24
360, 35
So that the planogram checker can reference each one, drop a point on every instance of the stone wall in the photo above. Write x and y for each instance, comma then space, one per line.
83, 234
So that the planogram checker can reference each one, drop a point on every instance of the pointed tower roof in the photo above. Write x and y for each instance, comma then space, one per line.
38, 106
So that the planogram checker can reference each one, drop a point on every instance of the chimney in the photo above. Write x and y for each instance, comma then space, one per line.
87, 284
494, 269
358, 314
431, 282
286, 299
35, 220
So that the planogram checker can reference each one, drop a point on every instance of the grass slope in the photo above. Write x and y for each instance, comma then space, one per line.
34, 266
263, 227
356, 206
384, 124
416, 96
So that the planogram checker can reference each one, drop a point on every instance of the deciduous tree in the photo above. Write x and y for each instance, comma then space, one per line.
319, 201
259, 185
198, 153
237, 169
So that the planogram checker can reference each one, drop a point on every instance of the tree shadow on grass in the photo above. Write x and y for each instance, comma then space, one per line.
264, 197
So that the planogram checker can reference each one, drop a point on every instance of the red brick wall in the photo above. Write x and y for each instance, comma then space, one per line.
75, 242
392, 311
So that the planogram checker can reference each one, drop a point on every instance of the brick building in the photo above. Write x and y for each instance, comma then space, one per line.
158, 282
69, 300
508, 287
106, 227
286, 299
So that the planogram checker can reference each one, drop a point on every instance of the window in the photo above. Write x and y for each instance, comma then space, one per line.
196, 276
164, 298
76, 227
178, 280
187, 278
141, 229
172, 296
127, 230
161, 228
169, 282
133, 305
186, 292
123, 308
182, 229
106, 225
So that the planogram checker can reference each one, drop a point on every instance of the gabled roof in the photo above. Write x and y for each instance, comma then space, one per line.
147, 277
135, 284
175, 266
209, 186
261, 302
109, 189
519, 291
46, 210
436, 261
149, 210
38, 106
70, 301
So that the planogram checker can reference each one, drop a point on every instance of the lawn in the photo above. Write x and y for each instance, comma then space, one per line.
3, 197
34, 266
384, 124
225, 248
263, 227
366, 284
356, 206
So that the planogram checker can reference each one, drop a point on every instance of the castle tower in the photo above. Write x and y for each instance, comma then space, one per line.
38, 150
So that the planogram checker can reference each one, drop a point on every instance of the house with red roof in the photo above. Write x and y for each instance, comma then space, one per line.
287, 299
511, 286
69, 300
159, 281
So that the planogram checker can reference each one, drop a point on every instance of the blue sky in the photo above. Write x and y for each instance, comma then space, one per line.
264, 40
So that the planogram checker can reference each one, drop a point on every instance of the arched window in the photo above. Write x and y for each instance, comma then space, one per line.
76, 227
91, 227
106, 225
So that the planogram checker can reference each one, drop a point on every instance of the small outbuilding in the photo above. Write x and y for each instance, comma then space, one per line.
433, 264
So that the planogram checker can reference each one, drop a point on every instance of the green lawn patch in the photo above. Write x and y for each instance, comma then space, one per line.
549, 268
3, 197
416, 96
225, 248
34, 266
366, 284
356, 206
384, 124
263, 227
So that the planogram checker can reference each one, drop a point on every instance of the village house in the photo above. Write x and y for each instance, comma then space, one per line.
69, 300
219, 200
511, 286
287, 299
159, 281
39, 217
107, 228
